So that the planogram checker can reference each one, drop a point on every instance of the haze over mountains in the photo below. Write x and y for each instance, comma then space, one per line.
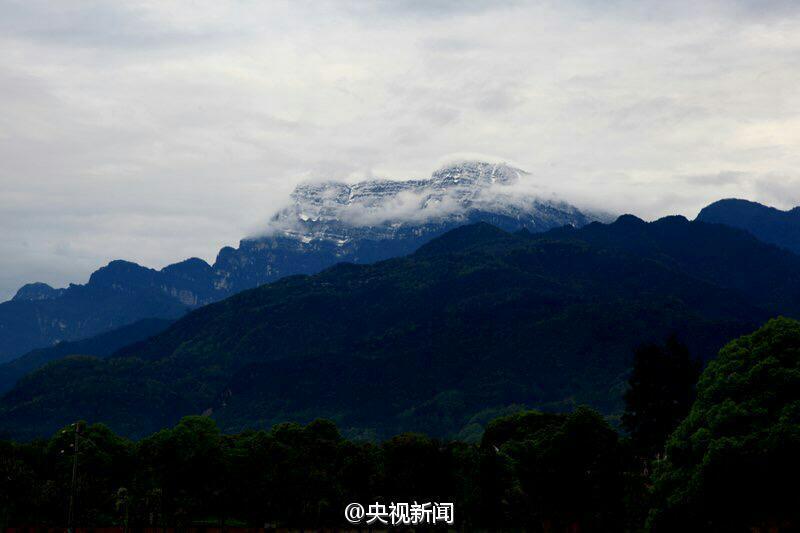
324, 224
475, 321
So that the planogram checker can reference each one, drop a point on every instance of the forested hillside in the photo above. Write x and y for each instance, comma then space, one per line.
474, 322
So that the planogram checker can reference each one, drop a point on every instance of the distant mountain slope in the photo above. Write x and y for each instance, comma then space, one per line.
117, 294
771, 225
324, 224
729, 258
478, 319
101, 345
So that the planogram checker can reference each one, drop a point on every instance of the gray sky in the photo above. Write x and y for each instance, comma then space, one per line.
158, 130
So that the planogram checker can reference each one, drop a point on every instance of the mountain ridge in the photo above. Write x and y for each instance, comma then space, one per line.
776, 226
324, 224
481, 320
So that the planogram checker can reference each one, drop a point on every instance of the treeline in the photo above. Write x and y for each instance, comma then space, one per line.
530, 469
730, 465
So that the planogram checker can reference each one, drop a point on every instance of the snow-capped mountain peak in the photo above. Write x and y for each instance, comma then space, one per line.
329, 222
478, 173
450, 192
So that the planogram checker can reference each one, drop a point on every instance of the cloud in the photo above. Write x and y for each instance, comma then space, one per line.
379, 201
154, 131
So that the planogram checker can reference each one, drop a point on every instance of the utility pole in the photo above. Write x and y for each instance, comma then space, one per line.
70, 516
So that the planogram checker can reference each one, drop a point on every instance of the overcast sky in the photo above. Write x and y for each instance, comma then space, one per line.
158, 130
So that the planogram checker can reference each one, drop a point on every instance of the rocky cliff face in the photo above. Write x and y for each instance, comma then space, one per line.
37, 291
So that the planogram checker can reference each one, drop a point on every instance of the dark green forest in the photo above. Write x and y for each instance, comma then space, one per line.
715, 454
437, 342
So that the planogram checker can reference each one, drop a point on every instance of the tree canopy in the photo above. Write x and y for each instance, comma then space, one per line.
546, 472
733, 463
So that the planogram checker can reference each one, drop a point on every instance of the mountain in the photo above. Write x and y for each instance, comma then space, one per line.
781, 228
324, 224
475, 321
117, 294
100, 345
331, 222
38, 291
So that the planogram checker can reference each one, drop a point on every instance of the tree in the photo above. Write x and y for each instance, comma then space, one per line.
554, 472
17, 486
415, 467
122, 504
661, 391
187, 464
733, 464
